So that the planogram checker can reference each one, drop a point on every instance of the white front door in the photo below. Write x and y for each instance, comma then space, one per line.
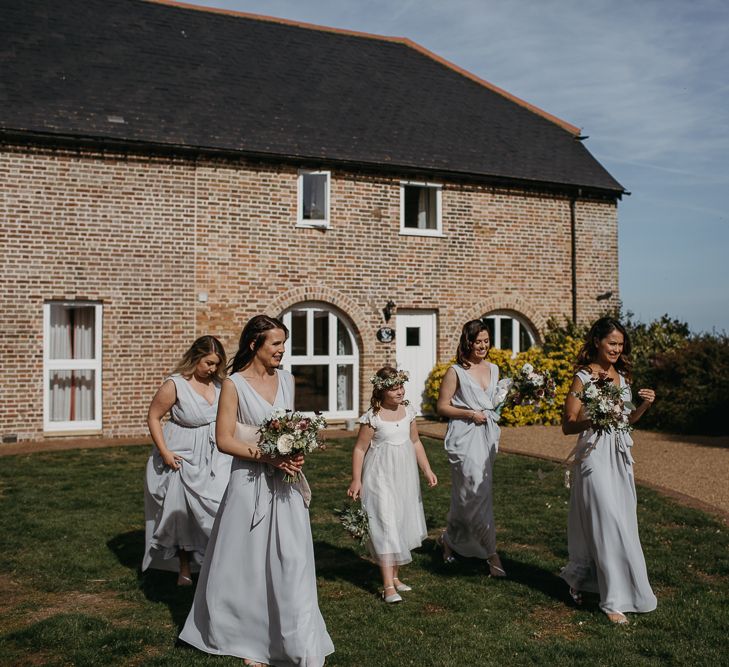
415, 350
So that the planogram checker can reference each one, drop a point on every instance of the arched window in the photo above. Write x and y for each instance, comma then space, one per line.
509, 331
322, 354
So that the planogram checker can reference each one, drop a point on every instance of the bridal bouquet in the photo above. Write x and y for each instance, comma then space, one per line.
604, 405
530, 387
354, 520
288, 433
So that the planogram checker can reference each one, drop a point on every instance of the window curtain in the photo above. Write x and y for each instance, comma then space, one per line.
426, 209
72, 337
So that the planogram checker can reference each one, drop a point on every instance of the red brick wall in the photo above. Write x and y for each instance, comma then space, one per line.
145, 236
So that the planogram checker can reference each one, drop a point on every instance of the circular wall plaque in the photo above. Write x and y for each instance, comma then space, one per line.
386, 334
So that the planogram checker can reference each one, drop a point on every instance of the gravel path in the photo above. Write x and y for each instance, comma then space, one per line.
692, 469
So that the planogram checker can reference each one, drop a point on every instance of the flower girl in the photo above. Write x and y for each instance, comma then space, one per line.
385, 464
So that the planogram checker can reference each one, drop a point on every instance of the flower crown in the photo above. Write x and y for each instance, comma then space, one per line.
386, 383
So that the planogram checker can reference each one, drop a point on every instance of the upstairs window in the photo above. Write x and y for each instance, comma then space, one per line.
313, 199
420, 209
72, 366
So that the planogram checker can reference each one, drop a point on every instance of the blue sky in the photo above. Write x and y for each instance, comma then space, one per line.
648, 82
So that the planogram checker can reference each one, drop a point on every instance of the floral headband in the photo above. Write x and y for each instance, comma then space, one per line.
386, 383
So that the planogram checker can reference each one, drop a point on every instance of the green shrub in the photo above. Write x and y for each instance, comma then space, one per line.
651, 340
692, 387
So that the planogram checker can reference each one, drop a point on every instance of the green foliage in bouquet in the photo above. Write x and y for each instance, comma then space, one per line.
354, 520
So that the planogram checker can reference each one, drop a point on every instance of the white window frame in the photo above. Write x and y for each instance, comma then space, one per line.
412, 231
332, 360
50, 365
300, 221
516, 323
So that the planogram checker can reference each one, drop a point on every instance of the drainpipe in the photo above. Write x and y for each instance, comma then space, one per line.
573, 239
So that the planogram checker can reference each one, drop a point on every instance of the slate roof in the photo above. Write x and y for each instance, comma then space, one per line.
173, 75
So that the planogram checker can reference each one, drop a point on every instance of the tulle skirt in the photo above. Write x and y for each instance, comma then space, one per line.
391, 497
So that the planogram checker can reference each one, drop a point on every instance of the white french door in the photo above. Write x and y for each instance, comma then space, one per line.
323, 357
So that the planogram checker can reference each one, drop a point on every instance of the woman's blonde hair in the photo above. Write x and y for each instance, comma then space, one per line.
202, 347
386, 378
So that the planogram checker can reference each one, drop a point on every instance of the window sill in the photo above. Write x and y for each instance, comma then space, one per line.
312, 225
61, 433
421, 232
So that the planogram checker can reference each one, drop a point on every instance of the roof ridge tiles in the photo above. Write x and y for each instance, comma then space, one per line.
572, 129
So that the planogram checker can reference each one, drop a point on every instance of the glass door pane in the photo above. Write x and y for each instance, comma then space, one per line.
298, 332
344, 342
345, 387
321, 332
72, 332
525, 340
312, 387
507, 338
72, 395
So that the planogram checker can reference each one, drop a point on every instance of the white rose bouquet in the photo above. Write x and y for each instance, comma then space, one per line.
288, 433
604, 405
531, 387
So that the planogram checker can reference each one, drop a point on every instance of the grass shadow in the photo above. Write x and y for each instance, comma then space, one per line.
333, 563
528, 575
157, 585
536, 578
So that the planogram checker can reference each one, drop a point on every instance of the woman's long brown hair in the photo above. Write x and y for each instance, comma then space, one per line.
469, 334
254, 332
602, 328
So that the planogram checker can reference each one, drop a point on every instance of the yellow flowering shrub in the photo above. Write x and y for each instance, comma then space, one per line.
432, 387
559, 362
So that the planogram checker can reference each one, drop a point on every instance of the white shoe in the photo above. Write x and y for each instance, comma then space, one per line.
403, 588
393, 597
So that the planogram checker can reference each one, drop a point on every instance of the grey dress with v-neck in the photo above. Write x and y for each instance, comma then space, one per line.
256, 597
605, 555
180, 505
471, 451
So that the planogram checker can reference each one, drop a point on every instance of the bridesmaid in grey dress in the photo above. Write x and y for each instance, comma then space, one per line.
186, 476
605, 555
256, 597
471, 441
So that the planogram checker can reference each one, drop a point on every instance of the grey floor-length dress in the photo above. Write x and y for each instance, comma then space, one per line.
471, 451
180, 505
256, 597
605, 555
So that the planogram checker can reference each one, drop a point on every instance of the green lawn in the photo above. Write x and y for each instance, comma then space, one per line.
71, 540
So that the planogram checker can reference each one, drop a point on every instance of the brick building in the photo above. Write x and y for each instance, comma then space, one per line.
168, 171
